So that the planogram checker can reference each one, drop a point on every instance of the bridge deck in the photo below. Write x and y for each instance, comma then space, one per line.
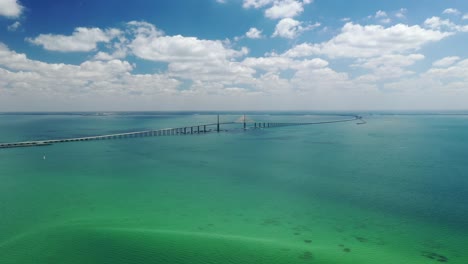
190, 130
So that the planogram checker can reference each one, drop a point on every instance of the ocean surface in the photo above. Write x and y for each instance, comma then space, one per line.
394, 190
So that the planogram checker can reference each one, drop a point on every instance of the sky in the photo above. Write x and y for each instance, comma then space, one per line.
143, 55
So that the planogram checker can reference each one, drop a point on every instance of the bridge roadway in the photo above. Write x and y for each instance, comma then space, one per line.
190, 130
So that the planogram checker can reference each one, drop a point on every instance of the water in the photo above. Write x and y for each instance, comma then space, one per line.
391, 191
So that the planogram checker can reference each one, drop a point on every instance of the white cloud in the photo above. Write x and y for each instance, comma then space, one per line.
256, 3
14, 26
118, 49
10, 8
151, 44
271, 83
144, 28
445, 62
190, 57
214, 72
385, 20
451, 11
180, 48
221, 1
220, 71
302, 50
465, 17
275, 64
290, 28
380, 14
82, 39
394, 60
284, 9
120, 52
389, 66
320, 78
254, 33
269, 64
456, 72
401, 13
34, 79
382, 17
356, 41
277, 9
437, 23
19, 62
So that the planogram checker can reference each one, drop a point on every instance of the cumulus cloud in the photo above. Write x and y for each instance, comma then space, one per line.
382, 17
256, 3
270, 64
180, 48
284, 9
212, 72
254, 33
389, 66
275, 64
394, 60
308, 75
302, 50
82, 39
10, 8
220, 71
445, 62
444, 24
30, 77
437, 23
456, 72
357, 41
320, 79
290, 28
277, 9
144, 28
189, 57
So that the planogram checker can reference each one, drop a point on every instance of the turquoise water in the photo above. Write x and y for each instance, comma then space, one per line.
391, 191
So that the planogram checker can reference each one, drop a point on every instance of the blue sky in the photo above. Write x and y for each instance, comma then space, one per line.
233, 55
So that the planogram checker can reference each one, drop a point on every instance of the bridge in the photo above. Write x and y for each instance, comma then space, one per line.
188, 130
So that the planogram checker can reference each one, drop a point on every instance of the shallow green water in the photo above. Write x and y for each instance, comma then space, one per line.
391, 191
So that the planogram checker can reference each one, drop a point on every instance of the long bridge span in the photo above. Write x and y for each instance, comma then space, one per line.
188, 130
